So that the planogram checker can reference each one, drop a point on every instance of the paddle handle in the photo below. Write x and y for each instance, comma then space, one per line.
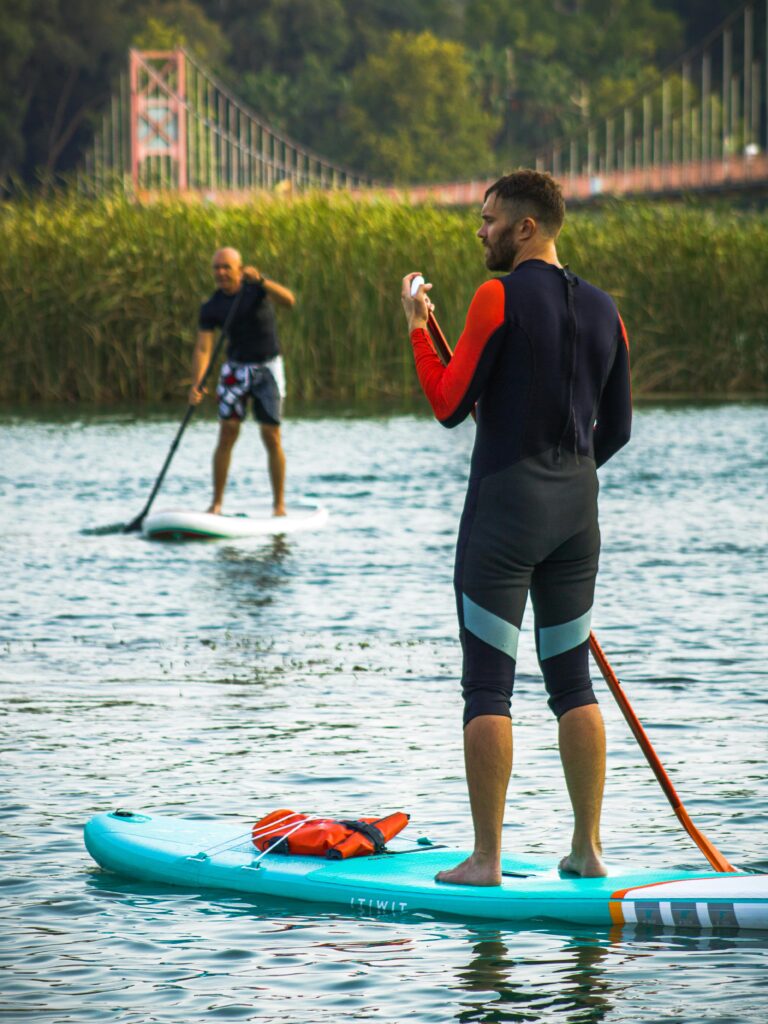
710, 851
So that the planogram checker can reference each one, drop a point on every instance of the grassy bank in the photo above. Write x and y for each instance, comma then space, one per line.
99, 300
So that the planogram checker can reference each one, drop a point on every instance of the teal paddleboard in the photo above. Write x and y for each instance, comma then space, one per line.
205, 854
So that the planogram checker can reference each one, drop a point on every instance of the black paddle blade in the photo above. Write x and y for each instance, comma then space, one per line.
135, 524
101, 531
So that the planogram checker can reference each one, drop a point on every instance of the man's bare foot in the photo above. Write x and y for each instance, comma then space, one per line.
588, 866
215, 508
279, 511
474, 870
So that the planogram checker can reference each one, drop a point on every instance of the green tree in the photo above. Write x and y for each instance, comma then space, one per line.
412, 114
699, 17
69, 53
285, 63
315, 68
174, 23
554, 66
61, 62
16, 42
280, 35
291, 60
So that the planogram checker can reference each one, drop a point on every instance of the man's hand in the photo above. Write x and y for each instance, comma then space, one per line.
196, 394
251, 275
417, 307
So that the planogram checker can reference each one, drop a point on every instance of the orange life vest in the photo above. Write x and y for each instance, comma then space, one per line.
282, 832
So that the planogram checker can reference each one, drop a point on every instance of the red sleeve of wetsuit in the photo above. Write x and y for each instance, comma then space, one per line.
452, 390
614, 414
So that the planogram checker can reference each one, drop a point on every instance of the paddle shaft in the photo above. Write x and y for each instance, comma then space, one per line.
135, 524
710, 851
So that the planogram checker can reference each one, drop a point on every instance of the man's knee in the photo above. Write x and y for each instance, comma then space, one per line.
488, 678
228, 433
580, 696
566, 677
271, 437
485, 699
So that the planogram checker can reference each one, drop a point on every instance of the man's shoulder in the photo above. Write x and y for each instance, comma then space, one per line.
523, 288
597, 295
211, 302
212, 311
254, 290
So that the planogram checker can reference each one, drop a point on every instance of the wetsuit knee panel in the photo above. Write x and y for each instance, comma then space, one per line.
577, 698
483, 700
487, 680
566, 677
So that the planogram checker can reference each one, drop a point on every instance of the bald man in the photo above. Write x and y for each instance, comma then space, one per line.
253, 368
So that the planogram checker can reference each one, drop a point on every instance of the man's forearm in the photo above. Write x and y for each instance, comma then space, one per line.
201, 357
284, 296
199, 365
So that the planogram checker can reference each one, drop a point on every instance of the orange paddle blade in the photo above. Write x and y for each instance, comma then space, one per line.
710, 851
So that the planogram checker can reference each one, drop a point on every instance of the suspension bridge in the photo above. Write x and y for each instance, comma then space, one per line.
700, 127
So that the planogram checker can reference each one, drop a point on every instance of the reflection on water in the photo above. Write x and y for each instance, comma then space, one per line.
571, 979
255, 578
320, 672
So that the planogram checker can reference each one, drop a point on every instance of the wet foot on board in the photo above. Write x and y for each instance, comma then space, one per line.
589, 866
472, 871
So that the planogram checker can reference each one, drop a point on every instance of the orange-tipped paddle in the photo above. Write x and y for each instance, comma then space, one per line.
710, 851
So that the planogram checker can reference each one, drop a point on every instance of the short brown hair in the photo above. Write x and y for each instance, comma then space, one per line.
535, 194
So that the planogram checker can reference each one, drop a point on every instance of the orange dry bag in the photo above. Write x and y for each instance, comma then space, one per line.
288, 832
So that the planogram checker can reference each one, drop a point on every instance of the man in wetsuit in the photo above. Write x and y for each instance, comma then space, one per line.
253, 370
544, 360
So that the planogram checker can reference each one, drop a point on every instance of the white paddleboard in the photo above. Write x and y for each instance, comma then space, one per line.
180, 524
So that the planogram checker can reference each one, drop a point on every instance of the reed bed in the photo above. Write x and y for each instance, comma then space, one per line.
99, 299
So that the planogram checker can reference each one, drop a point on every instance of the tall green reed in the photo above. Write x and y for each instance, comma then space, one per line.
99, 300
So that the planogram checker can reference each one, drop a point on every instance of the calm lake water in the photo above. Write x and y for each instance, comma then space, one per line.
321, 673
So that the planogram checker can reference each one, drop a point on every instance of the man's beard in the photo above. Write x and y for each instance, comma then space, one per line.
502, 254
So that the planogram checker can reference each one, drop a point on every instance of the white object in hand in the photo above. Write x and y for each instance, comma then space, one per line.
416, 283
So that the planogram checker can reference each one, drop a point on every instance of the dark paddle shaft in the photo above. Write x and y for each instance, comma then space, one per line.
710, 851
135, 524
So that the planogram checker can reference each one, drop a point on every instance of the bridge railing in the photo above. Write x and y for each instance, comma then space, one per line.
705, 116
172, 126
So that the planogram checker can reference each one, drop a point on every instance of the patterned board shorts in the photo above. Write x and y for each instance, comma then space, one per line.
263, 383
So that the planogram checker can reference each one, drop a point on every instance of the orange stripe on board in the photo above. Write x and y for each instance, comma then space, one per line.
617, 912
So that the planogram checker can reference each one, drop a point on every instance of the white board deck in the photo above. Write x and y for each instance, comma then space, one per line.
183, 524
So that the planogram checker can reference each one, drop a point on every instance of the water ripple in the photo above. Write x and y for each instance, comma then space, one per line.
223, 680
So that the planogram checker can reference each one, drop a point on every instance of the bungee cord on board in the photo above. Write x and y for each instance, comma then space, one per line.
276, 828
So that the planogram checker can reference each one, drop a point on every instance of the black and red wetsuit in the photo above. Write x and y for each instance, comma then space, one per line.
544, 358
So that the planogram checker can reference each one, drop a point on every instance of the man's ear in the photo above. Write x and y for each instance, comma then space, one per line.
527, 228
